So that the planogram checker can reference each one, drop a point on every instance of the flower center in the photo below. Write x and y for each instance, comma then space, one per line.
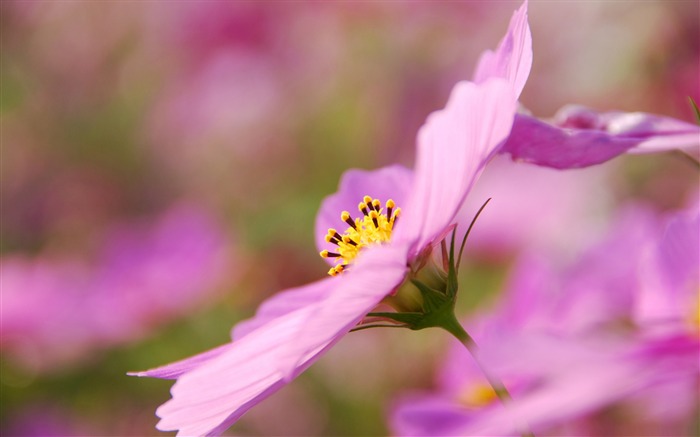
374, 227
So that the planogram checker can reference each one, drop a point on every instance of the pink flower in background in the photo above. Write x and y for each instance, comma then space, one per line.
652, 283
668, 299
463, 397
55, 310
562, 344
590, 291
292, 329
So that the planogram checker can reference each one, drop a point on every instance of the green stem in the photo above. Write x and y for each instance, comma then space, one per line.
453, 327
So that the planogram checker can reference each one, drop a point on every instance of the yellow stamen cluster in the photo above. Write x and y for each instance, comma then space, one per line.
374, 227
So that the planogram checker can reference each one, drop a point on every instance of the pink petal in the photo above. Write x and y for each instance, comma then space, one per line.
689, 141
580, 137
392, 182
678, 252
655, 132
453, 147
669, 276
179, 368
375, 274
538, 142
210, 398
283, 303
429, 415
579, 378
512, 59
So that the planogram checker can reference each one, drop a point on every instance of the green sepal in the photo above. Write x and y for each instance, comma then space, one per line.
432, 299
437, 307
438, 304
451, 285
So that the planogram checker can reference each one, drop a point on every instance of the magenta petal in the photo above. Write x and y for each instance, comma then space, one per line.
580, 381
580, 137
283, 303
537, 142
668, 292
512, 60
178, 368
375, 274
678, 252
453, 147
392, 182
656, 133
429, 415
212, 397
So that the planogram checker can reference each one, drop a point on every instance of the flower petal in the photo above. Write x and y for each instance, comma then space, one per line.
179, 368
582, 377
283, 303
580, 137
668, 293
429, 415
375, 274
512, 60
453, 147
391, 182
210, 398
657, 133
537, 142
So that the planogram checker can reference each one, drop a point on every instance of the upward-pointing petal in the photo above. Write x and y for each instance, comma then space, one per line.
512, 59
453, 147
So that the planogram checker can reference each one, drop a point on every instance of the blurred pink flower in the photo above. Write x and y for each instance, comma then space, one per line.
292, 329
560, 343
639, 291
463, 397
56, 309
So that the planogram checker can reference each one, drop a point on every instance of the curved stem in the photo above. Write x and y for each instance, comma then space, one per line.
454, 328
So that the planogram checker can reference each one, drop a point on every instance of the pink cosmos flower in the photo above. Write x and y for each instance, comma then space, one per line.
291, 330
463, 397
655, 358
56, 310
559, 343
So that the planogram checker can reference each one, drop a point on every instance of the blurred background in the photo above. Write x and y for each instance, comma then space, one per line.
162, 164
